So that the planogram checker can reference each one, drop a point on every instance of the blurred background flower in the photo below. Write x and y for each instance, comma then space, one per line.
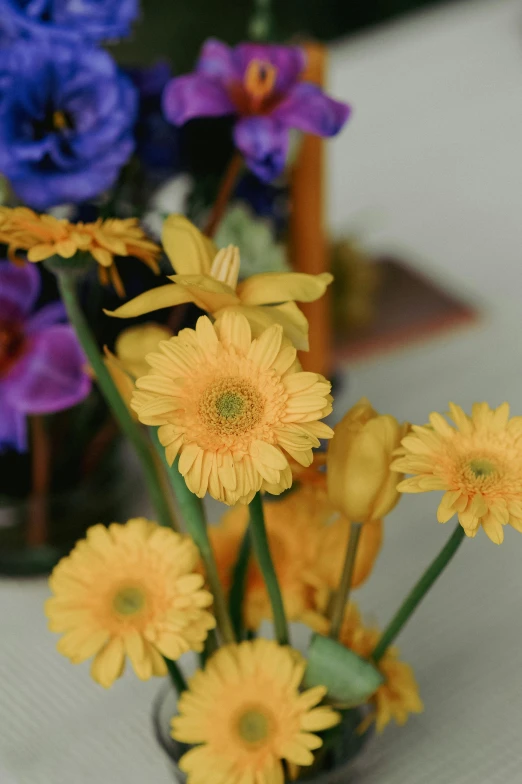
42, 367
66, 121
259, 83
255, 239
87, 19
157, 141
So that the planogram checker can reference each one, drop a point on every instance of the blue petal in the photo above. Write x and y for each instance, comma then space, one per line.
264, 144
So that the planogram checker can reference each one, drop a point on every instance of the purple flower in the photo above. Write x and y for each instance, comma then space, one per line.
74, 20
41, 362
260, 84
66, 121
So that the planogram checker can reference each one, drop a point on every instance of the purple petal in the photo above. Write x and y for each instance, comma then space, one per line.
290, 62
193, 95
264, 143
13, 427
46, 317
19, 289
312, 111
51, 375
217, 61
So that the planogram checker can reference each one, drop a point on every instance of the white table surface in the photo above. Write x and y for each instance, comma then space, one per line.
431, 164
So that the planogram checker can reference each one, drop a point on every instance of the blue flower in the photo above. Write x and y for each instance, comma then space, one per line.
66, 122
157, 141
93, 20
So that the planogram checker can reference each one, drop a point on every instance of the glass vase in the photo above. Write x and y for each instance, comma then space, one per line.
339, 761
76, 473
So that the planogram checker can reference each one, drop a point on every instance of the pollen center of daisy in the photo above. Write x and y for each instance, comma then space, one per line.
129, 601
254, 726
231, 405
481, 467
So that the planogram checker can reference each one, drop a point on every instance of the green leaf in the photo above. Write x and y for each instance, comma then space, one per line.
349, 679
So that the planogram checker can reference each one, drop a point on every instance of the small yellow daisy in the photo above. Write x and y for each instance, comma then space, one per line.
43, 236
231, 406
129, 590
245, 715
398, 696
478, 464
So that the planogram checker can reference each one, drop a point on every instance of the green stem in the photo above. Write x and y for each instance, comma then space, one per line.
418, 592
194, 516
68, 290
262, 552
176, 676
343, 592
239, 578
261, 24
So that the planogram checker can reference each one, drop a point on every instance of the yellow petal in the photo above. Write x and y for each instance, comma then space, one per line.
273, 287
446, 508
134, 343
154, 299
109, 663
493, 529
208, 294
189, 251
289, 316
40, 252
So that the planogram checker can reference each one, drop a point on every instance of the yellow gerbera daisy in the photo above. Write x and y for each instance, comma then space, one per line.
129, 590
229, 405
398, 696
295, 525
210, 279
478, 463
307, 550
246, 715
43, 236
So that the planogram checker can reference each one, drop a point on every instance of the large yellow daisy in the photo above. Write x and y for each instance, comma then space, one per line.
229, 405
43, 236
246, 715
209, 278
129, 590
478, 464
398, 695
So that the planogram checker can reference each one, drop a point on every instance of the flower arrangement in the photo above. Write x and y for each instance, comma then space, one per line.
214, 404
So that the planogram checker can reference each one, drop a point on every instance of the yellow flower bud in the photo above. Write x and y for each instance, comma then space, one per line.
361, 484
132, 346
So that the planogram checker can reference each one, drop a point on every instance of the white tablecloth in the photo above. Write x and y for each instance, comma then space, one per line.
430, 164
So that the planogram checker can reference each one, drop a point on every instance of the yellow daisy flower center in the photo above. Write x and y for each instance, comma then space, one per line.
231, 405
130, 600
481, 468
254, 726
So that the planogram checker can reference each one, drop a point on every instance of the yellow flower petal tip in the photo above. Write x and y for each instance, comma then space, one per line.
233, 408
362, 478
244, 715
477, 463
129, 591
187, 248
